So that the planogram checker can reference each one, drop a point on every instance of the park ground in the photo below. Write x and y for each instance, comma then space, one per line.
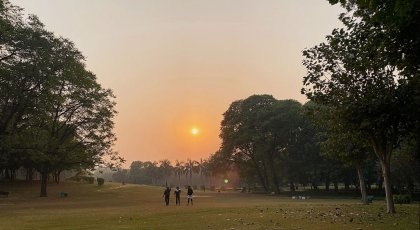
117, 206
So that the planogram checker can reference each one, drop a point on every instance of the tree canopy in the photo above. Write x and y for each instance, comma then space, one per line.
54, 115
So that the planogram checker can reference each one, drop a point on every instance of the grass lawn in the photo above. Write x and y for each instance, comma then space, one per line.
116, 206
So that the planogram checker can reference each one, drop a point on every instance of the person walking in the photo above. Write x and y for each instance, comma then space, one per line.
190, 195
166, 194
177, 196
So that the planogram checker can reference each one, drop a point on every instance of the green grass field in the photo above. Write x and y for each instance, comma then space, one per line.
116, 206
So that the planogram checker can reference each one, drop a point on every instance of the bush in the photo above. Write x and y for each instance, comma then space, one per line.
101, 181
86, 179
402, 199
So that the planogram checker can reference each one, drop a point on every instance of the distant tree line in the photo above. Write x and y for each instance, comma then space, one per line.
164, 173
54, 115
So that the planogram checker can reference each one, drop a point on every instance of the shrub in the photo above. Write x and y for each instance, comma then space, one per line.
101, 181
402, 199
86, 179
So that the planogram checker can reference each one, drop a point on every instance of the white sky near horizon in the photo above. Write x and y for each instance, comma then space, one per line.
178, 64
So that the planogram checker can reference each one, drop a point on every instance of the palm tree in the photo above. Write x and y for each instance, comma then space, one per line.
203, 170
165, 168
190, 168
179, 170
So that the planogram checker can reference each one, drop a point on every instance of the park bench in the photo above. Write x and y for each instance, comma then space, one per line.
4, 194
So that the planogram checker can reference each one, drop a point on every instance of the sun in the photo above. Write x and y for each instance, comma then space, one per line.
194, 131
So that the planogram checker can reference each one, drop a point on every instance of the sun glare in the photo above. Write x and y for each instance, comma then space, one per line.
194, 131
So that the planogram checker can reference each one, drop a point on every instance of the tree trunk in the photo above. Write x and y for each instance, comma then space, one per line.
362, 183
383, 152
44, 178
7, 174
390, 208
274, 176
327, 182
260, 175
57, 177
336, 186
292, 186
262, 180
12, 175
346, 184
29, 175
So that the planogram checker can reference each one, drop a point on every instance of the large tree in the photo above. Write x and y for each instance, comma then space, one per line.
257, 134
352, 75
54, 114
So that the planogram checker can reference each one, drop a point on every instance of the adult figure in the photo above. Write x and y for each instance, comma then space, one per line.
190, 195
177, 196
166, 194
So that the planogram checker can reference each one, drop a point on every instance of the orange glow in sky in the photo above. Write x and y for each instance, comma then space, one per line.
194, 131
174, 64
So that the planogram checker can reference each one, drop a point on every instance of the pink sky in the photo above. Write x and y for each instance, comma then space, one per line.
175, 64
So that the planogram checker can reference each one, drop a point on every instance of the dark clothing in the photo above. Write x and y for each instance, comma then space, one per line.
178, 196
190, 191
166, 194
189, 195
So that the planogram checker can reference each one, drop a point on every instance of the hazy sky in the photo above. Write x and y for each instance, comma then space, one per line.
178, 64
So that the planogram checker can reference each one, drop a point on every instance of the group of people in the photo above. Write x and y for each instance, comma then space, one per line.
177, 192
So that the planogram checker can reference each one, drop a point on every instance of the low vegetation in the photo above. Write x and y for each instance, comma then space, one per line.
118, 206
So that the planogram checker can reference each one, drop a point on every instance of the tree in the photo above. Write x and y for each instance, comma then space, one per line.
136, 174
190, 168
353, 77
179, 170
166, 169
351, 149
58, 117
203, 170
151, 171
241, 135
257, 135
347, 146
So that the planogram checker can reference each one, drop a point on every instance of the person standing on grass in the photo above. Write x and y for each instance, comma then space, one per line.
177, 196
166, 194
190, 195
